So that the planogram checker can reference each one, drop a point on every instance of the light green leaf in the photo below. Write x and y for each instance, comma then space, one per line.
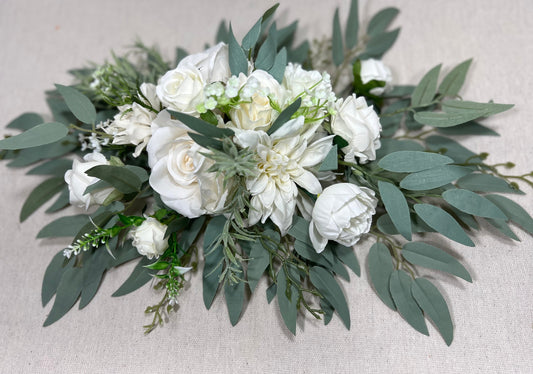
78, 104
513, 211
426, 89
395, 204
278, 68
428, 256
352, 25
40, 195
337, 48
472, 203
488, 109
429, 298
380, 268
453, 81
400, 289
330, 162
442, 222
238, 62
123, 179
380, 43
330, 289
412, 161
138, 278
52, 276
234, 295
67, 226
25, 121
285, 116
287, 301
67, 294
433, 178
45, 133
200, 126
379, 23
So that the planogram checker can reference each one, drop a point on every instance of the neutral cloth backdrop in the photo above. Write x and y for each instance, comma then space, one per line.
493, 317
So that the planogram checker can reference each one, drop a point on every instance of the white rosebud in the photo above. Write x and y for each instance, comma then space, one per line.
376, 70
342, 213
182, 89
132, 124
78, 181
358, 124
149, 238
213, 63
179, 170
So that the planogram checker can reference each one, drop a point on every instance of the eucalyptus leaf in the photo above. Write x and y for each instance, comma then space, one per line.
213, 257
462, 106
234, 295
395, 145
330, 162
32, 155
428, 256
433, 178
400, 288
299, 54
450, 148
284, 36
380, 268
352, 25
96, 267
328, 310
379, 22
347, 257
138, 278
429, 298
285, 116
258, 262
337, 48
324, 281
378, 44
53, 167
472, 203
205, 141
278, 68
453, 81
238, 62
513, 211
267, 54
412, 161
503, 227
200, 126
485, 183
252, 36
396, 205
52, 276
427, 88
123, 179
62, 201
45, 133
443, 223
287, 300
25, 121
78, 103
445, 120
271, 292
66, 226
40, 195
468, 128
67, 294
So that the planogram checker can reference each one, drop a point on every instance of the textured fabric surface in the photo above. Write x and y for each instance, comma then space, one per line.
493, 317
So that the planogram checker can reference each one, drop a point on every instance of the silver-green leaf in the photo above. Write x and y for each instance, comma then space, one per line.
380, 268
396, 205
45, 133
472, 203
443, 223
79, 104
426, 89
412, 161
400, 289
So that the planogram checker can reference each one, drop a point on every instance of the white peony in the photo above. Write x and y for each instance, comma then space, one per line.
179, 172
358, 124
182, 89
256, 113
286, 159
149, 238
372, 69
343, 212
132, 124
213, 63
78, 181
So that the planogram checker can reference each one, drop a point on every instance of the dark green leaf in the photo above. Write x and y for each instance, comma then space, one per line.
200, 126
442, 222
96, 267
257, 264
40, 195
252, 36
267, 54
428, 256
78, 103
285, 116
287, 300
180, 55
62, 201
222, 33
328, 310
138, 278
348, 258
206, 142
286, 34
25, 121
412, 161
472, 203
299, 54
466, 218
433, 178
380, 268
329, 288
234, 294
238, 62
400, 288
32, 155
45, 133
379, 23
271, 292
426, 89
380, 43
396, 205
453, 81
269, 13
123, 179
64, 226
513, 211
352, 25
400, 91
278, 68
337, 47
451, 148
189, 236
68, 291
52, 276
469, 128
52, 167
330, 162
213, 257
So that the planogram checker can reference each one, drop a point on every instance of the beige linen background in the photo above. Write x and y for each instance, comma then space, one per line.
41, 40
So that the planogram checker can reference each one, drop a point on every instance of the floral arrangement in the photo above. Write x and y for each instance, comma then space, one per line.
264, 159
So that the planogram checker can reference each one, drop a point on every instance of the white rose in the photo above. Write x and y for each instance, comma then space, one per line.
372, 69
213, 63
78, 181
149, 238
358, 124
182, 89
179, 171
257, 114
343, 212
132, 124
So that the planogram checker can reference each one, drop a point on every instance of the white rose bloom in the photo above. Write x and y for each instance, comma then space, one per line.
285, 158
149, 238
78, 181
182, 89
343, 212
358, 124
372, 69
313, 84
257, 114
132, 124
179, 172
213, 63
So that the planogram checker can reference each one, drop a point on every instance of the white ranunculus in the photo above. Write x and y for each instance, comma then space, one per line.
78, 181
149, 238
132, 124
182, 89
343, 212
358, 124
213, 63
372, 69
179, 171
257, 114
286, 159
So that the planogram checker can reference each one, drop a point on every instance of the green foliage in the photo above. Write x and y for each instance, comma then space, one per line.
45, 133
79, 104
443, 223
400, 289
380, 268
285, 116
25, 121
427, 88
40, 195
396, 205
